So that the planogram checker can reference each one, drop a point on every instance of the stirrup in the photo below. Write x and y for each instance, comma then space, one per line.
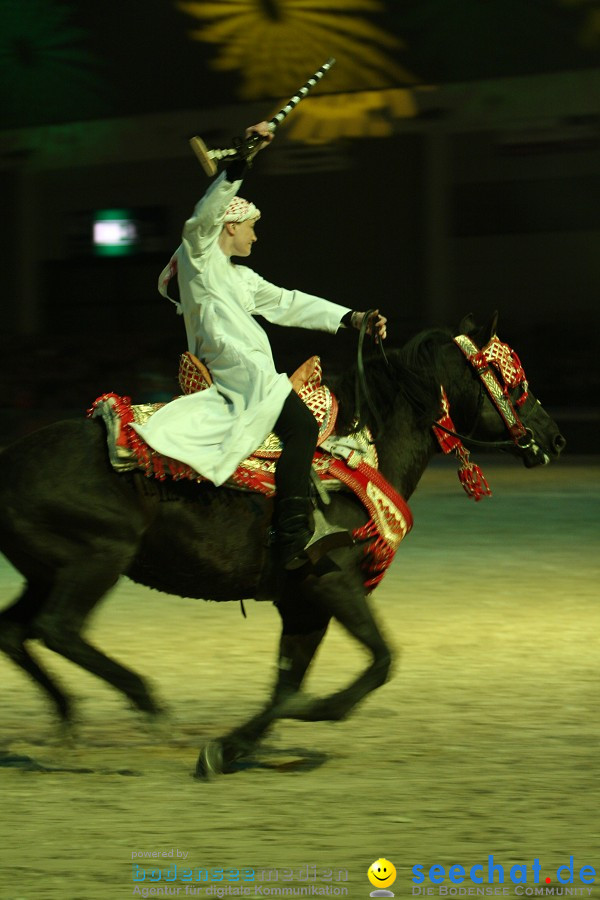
302, 542
325, 537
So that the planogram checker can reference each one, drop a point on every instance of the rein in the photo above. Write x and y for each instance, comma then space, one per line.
486, 445
361, 388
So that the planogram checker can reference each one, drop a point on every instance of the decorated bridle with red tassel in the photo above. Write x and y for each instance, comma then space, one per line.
494, 356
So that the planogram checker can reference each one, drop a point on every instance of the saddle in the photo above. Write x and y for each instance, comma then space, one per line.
306, 382
128, 451
346, 462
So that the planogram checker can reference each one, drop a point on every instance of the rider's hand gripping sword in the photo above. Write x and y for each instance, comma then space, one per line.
245, 148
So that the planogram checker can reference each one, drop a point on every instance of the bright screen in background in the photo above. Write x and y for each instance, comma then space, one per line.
114, 232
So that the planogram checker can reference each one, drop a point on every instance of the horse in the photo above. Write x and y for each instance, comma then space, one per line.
72, 526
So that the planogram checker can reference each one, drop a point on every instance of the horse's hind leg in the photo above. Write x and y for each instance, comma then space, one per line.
15, 629
76, 591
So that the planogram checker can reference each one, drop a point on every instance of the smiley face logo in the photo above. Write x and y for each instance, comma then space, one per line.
381, 873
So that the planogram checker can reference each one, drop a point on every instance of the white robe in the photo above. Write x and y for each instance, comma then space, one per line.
214, 430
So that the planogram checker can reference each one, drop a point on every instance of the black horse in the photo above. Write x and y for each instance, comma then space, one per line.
72, 526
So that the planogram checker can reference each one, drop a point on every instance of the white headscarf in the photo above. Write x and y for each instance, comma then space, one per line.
239, 210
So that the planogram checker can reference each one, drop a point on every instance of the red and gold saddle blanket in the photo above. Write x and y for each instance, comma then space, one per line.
341, 462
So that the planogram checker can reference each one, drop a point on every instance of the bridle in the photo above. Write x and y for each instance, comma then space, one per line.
500, 357
500, 374
495, 355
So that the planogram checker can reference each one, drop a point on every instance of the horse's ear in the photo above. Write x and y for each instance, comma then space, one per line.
467, 325
492, 325
484, 332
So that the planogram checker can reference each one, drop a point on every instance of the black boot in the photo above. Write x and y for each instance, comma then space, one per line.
299, 542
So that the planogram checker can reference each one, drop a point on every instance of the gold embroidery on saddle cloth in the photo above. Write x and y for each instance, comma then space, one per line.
262, 464
144, 411
390, 521
270, 447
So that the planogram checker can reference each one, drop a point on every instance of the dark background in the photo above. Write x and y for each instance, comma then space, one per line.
484, 194
67, 61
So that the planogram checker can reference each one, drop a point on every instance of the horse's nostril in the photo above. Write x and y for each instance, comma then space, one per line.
558, 443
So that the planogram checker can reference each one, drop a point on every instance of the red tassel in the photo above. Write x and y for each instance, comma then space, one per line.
469, 474
473, 481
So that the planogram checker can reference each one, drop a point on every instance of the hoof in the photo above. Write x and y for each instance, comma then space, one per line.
210, 761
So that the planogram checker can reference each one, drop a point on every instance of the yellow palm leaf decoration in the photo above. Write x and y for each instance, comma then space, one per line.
274, 43
589, 34
361, 114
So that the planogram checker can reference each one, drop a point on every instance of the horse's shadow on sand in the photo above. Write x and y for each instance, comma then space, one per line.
290, 759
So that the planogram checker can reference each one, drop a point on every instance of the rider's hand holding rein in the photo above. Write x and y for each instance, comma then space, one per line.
376, 327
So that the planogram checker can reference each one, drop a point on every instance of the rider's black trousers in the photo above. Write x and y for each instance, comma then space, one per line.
298, 431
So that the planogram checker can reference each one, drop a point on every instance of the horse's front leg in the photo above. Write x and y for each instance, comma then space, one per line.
296, 652
342, 595
303, 628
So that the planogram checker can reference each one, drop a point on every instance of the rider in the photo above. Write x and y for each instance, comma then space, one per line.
216, 429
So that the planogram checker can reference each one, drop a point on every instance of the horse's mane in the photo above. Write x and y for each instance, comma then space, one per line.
414, 372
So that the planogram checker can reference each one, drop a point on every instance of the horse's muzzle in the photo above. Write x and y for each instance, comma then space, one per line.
534, 455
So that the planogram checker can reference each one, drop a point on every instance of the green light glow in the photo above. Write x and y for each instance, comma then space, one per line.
114, 233
44, 63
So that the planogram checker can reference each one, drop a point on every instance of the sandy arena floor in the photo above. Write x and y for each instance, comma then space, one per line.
485, 741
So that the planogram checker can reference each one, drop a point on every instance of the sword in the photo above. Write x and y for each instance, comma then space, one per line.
245, 148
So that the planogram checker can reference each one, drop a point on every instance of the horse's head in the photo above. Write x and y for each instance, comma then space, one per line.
507, 416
